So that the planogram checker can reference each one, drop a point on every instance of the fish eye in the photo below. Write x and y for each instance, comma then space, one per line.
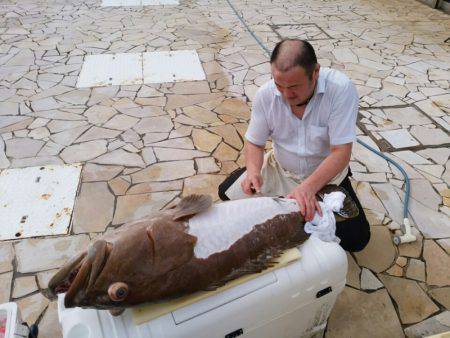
118, 291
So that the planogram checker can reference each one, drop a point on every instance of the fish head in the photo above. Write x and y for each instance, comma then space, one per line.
78, 279
126, 271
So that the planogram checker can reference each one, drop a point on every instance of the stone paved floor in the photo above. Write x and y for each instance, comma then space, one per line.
144, 146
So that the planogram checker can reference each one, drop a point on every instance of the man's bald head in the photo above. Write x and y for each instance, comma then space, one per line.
289, 53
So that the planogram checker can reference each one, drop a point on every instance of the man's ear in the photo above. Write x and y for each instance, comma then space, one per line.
316, 71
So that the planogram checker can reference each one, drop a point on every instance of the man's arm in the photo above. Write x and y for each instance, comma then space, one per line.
254, 156
305, 193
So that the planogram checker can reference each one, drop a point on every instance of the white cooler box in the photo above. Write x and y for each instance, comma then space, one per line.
10, 322
293, 301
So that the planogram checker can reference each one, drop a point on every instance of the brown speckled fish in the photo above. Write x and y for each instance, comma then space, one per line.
193, 246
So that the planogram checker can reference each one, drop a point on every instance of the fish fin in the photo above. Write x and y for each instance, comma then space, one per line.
191, 205
349, 209
256, 265
172, 247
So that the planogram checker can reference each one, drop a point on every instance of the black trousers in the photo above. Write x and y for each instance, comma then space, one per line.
353, 233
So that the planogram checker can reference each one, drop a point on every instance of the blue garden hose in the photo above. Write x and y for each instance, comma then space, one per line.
406, 227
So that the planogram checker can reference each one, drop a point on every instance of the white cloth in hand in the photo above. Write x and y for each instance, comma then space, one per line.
325, 227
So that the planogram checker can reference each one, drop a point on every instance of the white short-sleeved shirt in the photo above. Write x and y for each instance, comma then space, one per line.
300, 145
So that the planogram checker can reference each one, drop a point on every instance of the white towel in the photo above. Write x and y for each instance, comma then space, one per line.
325, 227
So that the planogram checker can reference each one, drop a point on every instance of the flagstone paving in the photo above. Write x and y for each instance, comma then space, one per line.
145, 146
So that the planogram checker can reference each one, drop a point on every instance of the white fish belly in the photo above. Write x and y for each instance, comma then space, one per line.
223, 224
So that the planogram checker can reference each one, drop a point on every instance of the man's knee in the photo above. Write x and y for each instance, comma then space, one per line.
356, 244
354, 234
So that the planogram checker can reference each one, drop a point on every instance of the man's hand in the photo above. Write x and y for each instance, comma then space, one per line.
252, 183
306, 199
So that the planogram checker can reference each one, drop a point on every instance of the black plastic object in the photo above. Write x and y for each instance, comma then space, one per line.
323, 292
34, 331
236, 333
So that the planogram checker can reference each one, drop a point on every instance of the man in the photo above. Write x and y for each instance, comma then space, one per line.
310, 114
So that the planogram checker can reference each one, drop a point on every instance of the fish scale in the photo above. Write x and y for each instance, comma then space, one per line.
222, 225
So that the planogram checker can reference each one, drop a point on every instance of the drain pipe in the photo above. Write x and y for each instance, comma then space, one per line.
407, 236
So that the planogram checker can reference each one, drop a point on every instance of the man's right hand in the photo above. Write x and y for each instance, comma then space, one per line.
252, 183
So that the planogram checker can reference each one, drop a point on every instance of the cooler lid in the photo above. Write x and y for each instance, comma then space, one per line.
186, 313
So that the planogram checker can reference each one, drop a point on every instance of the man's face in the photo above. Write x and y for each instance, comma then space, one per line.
294, 84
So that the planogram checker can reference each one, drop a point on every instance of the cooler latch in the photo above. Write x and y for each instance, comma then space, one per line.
323, 292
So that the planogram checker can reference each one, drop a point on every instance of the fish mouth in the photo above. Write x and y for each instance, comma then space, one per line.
78, 276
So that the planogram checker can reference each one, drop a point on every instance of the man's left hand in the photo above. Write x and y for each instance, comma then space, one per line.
306, 199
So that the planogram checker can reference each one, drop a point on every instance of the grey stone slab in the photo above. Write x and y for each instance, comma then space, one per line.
95, 133
431, 223
154, 124
170, 154
9, 108
9, 120
38, 254
67, 137
437, 264
438, 155
23, 147
135, 207
430, 136
31, 307
95, 172
439, 324
120, 157
406, 116
380, 252
99, 114
423, 192
5, 290
6, 256
35, 161
24, 286
390, 200
360, 314
56, 126
413, 303
4, 162
49, 324
165, 171
121, 122
94, 208
399, 138
369, 281
372, 162
84, 151
47, 103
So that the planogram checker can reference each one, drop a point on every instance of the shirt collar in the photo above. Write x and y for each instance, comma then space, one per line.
320, 86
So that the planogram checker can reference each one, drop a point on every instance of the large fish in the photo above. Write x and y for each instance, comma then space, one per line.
193, 246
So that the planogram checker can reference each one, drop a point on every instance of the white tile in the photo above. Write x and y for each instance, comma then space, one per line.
121, 3
37, 201
111, 69
399, 138
172, 66
129, 3
159, 2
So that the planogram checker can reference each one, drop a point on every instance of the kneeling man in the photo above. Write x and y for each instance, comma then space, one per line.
310, 114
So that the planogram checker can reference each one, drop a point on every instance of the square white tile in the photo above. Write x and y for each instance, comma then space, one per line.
130, 3
172, 66
37, 201
159, 2
121, 3
111, 69
399, 138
